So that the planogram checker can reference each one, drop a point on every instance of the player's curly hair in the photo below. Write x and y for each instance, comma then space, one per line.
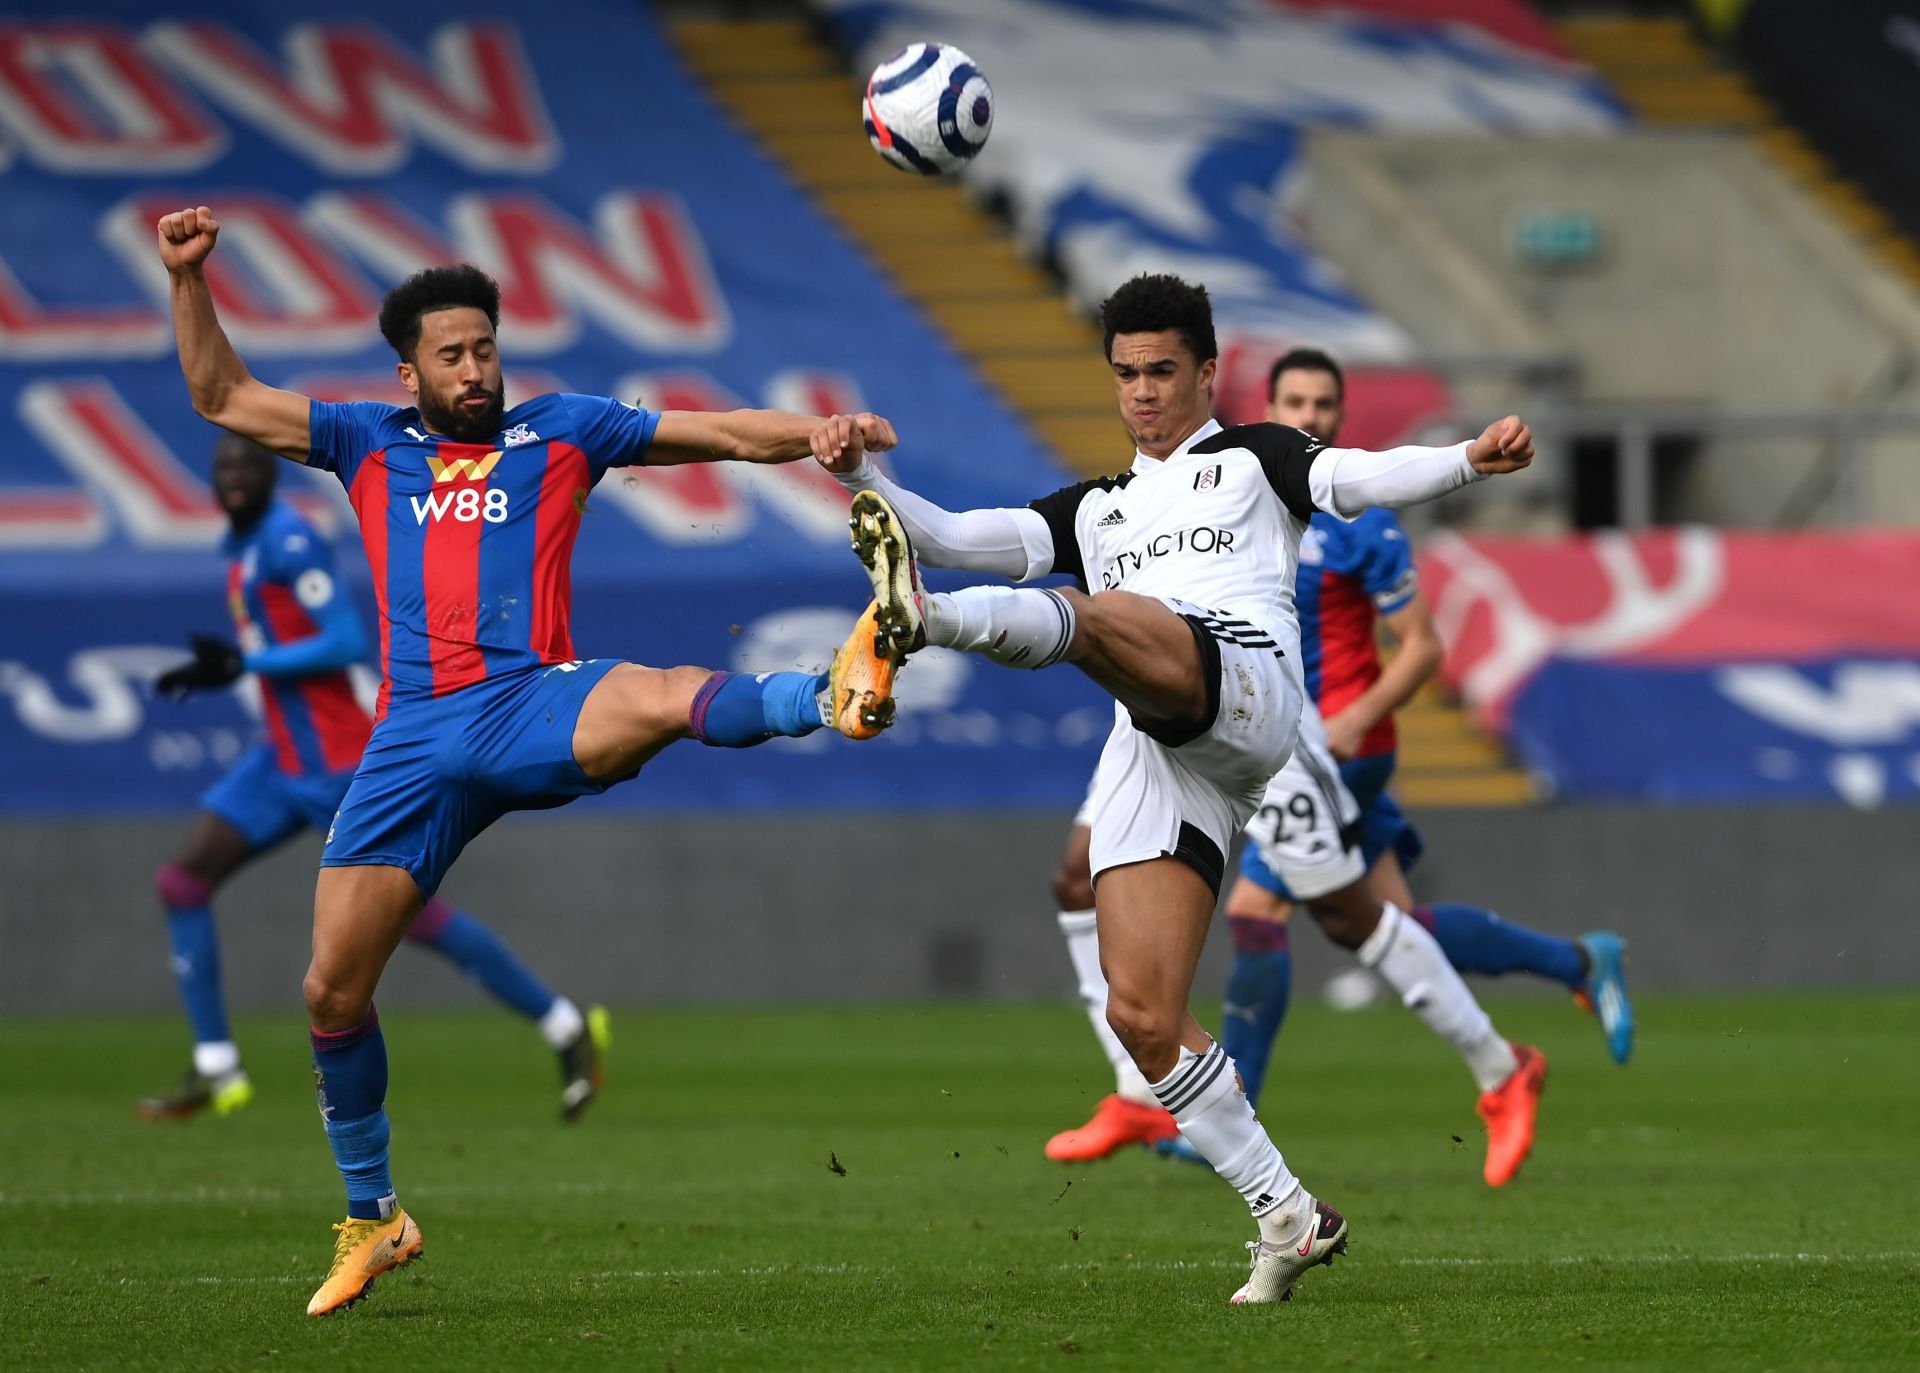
430, 289
1306, 360
1155, 301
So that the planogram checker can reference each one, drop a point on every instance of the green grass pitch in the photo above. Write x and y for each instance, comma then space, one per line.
1743, 1196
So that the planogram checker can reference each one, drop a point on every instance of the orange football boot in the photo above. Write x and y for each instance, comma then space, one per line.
1116, 1123
1508, 1112
892, 626
365, 1250
861, 679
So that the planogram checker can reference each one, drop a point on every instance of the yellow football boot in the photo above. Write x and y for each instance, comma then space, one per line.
223, 1095
365, 1250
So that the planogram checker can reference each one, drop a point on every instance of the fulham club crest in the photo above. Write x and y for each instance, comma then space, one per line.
1207, 480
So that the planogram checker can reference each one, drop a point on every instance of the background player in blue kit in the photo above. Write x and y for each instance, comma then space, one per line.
1353, 576
468, 513
298, 632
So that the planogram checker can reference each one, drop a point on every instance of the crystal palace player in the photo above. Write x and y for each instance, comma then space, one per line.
1352, 573
1187, 561
468, 513
298, 634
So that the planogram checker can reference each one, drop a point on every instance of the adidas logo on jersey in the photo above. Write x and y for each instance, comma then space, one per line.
1110, 519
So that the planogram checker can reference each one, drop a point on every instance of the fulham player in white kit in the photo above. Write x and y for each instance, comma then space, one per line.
1185, 615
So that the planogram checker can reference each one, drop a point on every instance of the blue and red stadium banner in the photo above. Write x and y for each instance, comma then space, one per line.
1692, 665
645, 249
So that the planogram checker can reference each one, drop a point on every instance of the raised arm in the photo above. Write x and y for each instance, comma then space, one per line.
684, 436
1412, 665
1346, 481
221, 387
1013, 543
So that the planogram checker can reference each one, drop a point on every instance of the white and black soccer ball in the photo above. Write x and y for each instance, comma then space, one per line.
928, 109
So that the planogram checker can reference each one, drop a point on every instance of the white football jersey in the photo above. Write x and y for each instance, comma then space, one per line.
1218, 523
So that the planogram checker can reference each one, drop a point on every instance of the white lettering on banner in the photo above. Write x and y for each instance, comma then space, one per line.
348, 94
1869, 702
81, 97
178, 750
90, 429
108, 680
279, 287
282, 283
641, 271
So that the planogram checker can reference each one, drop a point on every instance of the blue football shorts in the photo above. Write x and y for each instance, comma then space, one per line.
438, 772
269, 806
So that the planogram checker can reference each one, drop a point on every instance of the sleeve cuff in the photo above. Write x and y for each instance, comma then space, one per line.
861, 478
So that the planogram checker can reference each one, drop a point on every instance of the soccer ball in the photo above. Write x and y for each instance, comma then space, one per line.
928, 109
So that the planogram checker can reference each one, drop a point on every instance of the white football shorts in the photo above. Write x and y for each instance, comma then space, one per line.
1188, 792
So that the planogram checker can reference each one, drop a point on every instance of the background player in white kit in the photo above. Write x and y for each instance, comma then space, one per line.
1186, 618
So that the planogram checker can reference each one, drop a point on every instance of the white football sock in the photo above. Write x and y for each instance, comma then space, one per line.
1203, 1093
1410, 961
1014, 626
1082, 933
562, 1023
216, 1057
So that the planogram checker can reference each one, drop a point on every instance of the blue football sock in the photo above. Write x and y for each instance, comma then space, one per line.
352, 1068
1475, 940
196, 966
739, 710
482, 955
1258, 987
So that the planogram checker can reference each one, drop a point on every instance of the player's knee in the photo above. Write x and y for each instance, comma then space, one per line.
180, 888
332, 1004
651, 701
1347, 927
1148, 1031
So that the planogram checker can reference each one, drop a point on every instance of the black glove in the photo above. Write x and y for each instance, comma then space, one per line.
215, 663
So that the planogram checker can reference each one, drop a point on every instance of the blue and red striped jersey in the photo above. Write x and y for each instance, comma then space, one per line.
1350, 573
471, 544
280, 587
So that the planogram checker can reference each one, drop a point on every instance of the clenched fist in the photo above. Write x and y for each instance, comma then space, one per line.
1504, 446
186, 237
842, 441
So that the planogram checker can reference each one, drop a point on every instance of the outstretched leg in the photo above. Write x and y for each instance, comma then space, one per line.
1135, 647
633, 712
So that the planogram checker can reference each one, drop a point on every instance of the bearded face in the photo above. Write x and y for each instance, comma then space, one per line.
455, 375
